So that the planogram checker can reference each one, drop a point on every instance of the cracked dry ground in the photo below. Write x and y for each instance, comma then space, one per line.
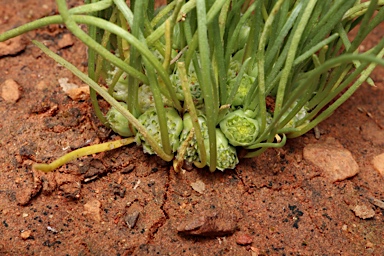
127, 203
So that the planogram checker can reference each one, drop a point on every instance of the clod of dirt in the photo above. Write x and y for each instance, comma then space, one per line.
49, 183
69, 185
244, 239
378, 163
12, 46
10, 91
28, 188
92, 209
333, 159
363, 211
209, 224
118, 189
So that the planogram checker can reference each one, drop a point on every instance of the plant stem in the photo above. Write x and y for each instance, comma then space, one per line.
93, 149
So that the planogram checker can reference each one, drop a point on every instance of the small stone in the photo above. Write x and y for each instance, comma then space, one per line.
65, 41
10, 91
336, 162
80, 93
131, 219
376, 202
92, 209
12, 46
198, 186
209, 224
244, 239
378, 163
26, 234
65, 85
128, 169
363, 212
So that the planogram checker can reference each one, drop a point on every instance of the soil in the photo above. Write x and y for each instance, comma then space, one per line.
125, 202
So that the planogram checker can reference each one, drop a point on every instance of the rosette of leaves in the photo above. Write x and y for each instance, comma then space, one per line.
118, 122
243, 89
240, 128
149, 119
192, 151
226, 154
193, 84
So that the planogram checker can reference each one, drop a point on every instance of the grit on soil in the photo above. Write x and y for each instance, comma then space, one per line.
286, 202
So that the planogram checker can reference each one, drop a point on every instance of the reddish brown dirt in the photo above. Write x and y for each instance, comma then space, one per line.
276, 204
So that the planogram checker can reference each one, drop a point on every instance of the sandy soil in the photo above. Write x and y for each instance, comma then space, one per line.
127, 203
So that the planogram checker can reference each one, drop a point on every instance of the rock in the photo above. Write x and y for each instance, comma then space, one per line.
198, 186
378, 163
363, 211
336, 162
73, 90
65, 41
244, 239
209, 224
131, 219
65, 85
92, 209
12, 46
10, 91
81, 93
376, 202
26, 234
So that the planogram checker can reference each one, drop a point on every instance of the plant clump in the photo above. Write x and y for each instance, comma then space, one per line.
196, 78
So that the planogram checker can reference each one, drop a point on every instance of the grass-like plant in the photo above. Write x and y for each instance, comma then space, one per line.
198, 78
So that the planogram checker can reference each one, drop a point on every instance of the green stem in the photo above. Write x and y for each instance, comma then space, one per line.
85, 151
193, 113
207, 86
286, 73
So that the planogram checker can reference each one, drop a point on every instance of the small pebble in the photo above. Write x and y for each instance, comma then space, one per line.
336, 162
363, 212
26, 234
198, 186
65, 41
244, 239
92, 209
10, 91
12, 46
131, 219
378, 163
